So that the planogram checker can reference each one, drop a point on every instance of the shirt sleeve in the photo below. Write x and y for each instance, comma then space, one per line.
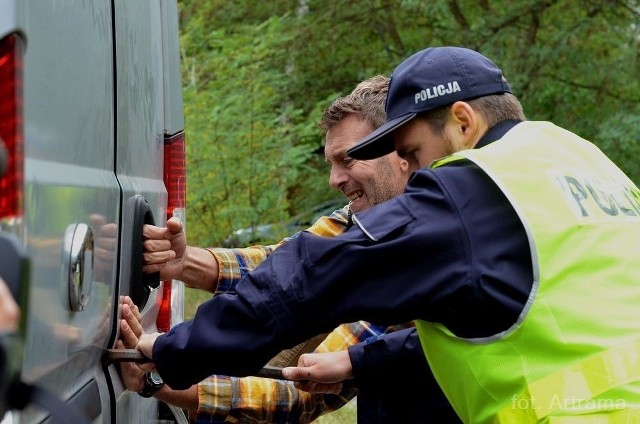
261, 399
254, 399
233, 264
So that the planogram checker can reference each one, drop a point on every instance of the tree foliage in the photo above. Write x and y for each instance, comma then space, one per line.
258, 74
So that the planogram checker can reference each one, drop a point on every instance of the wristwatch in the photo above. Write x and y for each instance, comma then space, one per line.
152, 383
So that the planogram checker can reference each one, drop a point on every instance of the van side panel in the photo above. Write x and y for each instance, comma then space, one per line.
69, 181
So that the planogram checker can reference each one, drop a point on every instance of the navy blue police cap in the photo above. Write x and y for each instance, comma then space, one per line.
432, 78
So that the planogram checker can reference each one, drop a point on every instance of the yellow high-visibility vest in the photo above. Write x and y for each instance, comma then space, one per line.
574, 354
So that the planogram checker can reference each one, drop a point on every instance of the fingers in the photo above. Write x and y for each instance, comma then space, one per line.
304, 378
107, 237
9, 311
174, 225
127, 336
154, 253
156, 245
133, 321
128, 340
130, 373
297, 373
135, 310
132, 306
130, 325
152, 232
317, 387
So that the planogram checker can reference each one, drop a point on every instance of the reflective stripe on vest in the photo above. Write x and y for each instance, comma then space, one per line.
577, 384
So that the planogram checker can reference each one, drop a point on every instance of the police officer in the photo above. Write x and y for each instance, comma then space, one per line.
514, 247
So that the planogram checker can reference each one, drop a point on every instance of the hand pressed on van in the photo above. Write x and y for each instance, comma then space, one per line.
132, 374
9, 310
145, 344
130, 331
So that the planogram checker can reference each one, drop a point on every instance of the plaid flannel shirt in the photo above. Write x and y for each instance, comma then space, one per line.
264, 400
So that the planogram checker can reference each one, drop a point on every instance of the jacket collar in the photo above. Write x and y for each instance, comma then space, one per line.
496, 132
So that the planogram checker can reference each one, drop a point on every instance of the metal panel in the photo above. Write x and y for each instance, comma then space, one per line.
140, 152
9, 17
173, 111
69, 180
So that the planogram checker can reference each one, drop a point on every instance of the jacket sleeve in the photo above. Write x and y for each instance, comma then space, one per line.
390, 356
383, 364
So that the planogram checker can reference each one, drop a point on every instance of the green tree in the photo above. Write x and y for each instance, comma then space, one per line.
246, 151
258, 74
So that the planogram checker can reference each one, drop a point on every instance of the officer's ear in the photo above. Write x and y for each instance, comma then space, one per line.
403, 164
465, 126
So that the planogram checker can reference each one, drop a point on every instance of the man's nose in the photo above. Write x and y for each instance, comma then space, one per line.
337, 178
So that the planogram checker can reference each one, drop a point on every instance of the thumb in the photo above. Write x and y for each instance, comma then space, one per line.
296, 373
174, 225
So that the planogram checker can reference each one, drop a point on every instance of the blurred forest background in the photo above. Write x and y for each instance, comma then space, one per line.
257, 75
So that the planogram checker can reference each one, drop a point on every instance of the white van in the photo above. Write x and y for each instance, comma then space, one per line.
91, 116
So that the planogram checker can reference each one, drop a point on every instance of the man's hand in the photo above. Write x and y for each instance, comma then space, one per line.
145, 345
164, 249
321, 372
130, 331
9, 311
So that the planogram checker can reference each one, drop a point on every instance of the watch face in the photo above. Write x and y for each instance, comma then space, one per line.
152, 383
154, 378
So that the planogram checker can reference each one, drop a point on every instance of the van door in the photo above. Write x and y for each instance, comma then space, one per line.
72, 200
94, 116
140, 130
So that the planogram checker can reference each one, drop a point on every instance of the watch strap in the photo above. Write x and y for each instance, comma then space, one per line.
152, 383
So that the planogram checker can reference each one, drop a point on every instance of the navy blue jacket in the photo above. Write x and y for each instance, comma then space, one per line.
450, 249
396, 384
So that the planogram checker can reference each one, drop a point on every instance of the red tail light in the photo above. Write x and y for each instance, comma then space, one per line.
11, 127
163, 321
175, 180
175, 174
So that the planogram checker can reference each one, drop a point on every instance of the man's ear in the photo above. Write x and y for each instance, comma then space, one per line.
466, 126
404, 165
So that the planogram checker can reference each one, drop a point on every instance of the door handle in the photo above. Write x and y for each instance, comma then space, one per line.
140, 284
78, 255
